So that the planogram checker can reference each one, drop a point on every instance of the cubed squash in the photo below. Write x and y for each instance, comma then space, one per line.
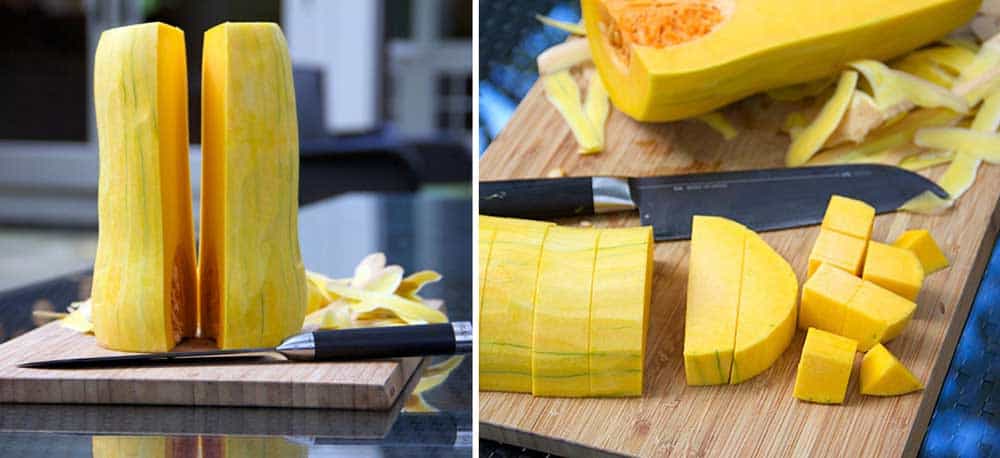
144, 286
619, 310
894, 268
715, 271
838, 250
825, 296
883, 375
767, 309
506, 314
894, 310
825, 367
560, 359
252, 284
664, 60
922, 244
849, 217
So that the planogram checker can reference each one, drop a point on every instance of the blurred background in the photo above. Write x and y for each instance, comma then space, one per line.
383, 87
510, 38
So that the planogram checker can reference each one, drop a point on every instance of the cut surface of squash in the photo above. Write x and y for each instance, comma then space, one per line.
883, 375
839, 250
713, 293
922, 244
849, 217
252, 285
825, 367
825, 296
560, 360
144, 288
894, 268
664, 60
507, 308
767, 309
619, 310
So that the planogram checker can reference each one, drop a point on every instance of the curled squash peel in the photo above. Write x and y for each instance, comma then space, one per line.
664, 60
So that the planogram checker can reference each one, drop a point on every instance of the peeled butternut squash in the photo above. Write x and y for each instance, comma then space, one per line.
664, 60
252, 284
144, 274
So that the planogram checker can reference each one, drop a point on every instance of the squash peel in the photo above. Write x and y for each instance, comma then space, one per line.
893, 88
563, 56
719, 123
573, 28
597, 106
563, 92
812, 138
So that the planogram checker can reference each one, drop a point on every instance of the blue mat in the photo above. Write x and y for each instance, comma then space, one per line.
966, 420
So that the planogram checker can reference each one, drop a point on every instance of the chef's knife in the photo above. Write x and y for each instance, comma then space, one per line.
330, 345
761, 199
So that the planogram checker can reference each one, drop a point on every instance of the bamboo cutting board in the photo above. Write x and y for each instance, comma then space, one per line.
372, 385
759, 417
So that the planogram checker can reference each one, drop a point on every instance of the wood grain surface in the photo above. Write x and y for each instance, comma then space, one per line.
373, 385
759, 417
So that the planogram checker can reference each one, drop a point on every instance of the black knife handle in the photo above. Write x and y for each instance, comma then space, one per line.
385, 342
537, 198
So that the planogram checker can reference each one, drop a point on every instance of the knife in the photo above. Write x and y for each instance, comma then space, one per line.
330, 345
762, 200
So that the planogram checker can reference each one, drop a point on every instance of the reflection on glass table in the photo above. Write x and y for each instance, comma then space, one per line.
424, 230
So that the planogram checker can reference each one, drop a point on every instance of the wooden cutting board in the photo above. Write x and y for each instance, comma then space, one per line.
759, 417
372, 385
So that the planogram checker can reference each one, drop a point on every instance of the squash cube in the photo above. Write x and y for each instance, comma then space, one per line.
837, 249
713, 293
507, 307
894, 310
896, 269
619, 310
825, 367
883, 375
920, 242
560, 359
825, 296
849, 217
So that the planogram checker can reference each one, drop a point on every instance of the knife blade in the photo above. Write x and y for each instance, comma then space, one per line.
329, 345
763, 200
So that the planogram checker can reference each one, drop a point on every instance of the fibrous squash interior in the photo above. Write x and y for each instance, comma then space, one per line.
657, 23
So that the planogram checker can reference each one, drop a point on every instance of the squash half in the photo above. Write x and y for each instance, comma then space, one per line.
664, 60
252, 284
144, 274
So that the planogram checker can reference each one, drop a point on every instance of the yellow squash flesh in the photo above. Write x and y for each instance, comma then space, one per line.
619, 310
922, 244
766, 321
825, 367
144, 275
506, 314
560, 360
883, 375
252, 285
665, 60
894, 268
713, 293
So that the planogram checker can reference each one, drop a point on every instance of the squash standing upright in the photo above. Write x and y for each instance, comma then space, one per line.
144, 274
252, 285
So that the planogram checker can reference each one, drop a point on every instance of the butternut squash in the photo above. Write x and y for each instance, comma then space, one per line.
252, 284
664, 60
144, 274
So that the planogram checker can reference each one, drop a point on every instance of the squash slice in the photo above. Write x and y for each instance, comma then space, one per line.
252, 285
144, 274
